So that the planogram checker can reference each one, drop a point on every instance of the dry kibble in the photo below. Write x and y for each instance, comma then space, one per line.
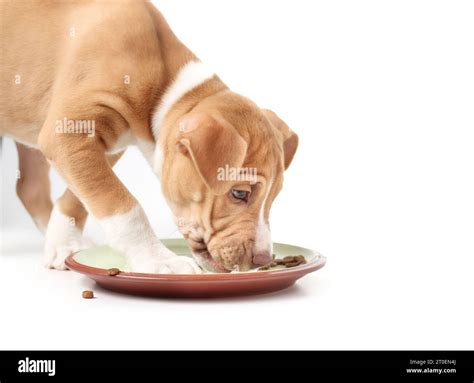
288, 261
296, 261
113, 272
88, 294
300, 258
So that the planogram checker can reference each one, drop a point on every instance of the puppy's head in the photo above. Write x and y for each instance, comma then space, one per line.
224, 169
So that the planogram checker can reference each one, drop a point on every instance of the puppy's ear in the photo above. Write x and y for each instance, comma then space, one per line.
212, 144
290, 139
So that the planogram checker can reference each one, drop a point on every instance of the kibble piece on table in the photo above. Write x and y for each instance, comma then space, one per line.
88, 294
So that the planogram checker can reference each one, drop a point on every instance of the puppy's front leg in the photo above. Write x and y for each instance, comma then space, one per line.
82, 162
131, 233
64, 230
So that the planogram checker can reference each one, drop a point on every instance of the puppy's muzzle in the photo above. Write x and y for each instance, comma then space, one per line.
262, 258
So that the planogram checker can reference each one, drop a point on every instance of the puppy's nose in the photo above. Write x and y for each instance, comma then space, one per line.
262, 258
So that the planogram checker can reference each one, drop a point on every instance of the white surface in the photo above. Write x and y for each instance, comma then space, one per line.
381, 94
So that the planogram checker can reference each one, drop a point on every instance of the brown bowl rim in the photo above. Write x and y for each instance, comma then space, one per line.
313, 265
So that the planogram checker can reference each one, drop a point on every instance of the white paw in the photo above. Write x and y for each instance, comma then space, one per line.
56, 254
63, 238
180, 265
131, 234
168, 264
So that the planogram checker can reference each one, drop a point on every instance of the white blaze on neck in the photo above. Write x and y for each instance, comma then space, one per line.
147, 148
263, 241
190, 76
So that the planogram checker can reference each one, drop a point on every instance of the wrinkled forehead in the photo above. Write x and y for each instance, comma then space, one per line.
267, 159
265, 151
264, 141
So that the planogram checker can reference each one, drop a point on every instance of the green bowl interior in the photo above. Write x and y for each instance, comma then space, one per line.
104, 257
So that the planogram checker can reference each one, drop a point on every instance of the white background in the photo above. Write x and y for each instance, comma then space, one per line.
382, 95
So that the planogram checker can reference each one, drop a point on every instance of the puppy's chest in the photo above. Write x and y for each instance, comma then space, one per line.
123, 141
148, 149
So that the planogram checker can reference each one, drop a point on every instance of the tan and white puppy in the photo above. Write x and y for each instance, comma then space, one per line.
83, 80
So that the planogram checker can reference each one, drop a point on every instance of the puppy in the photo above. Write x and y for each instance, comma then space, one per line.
84, 80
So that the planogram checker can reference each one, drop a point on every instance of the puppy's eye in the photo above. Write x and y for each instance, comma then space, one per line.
242, 195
